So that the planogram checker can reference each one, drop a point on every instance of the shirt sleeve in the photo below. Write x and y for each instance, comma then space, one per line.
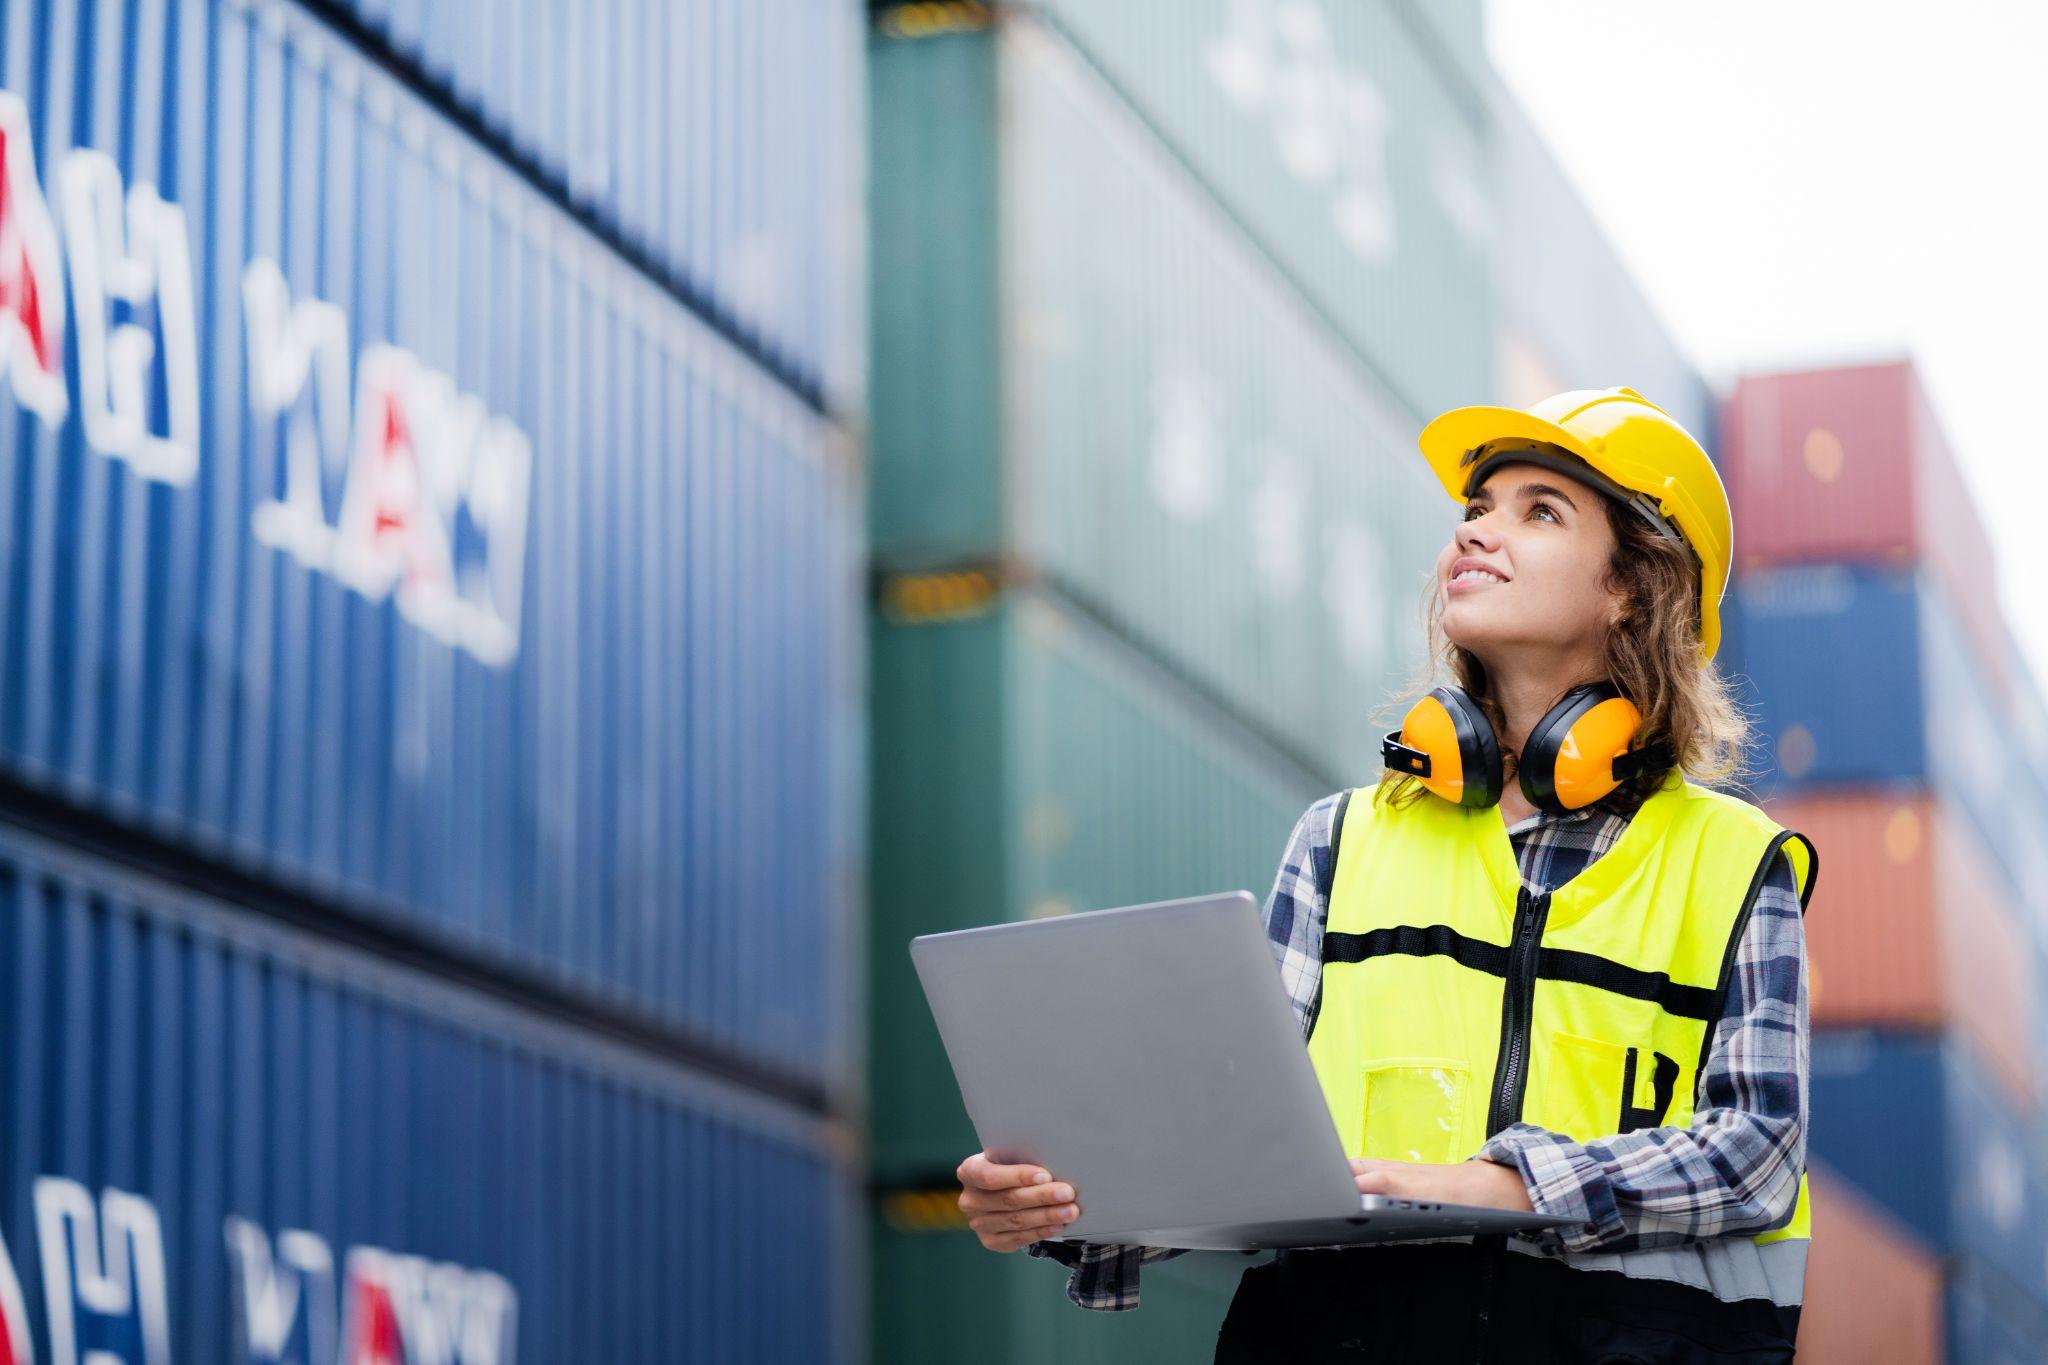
1735, 1168
1104, 1275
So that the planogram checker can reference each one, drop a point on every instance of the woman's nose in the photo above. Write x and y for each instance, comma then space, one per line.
1476, 533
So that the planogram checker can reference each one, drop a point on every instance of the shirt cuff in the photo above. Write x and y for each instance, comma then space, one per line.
1563, 1179
1066, 1253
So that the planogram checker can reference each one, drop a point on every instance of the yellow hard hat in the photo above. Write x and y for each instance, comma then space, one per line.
1623, 444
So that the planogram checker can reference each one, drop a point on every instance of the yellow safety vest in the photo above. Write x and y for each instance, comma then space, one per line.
1454, 1003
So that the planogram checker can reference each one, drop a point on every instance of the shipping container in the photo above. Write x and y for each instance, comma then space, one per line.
524, 620
1915, 1122
1987, 1323
1082, 369
1031, 763
1572, 316
1916, 929
1852, 464
941, 1296
716, 142
1873, 1291
228, 1140
1350, 153
1832, 658
1860, 674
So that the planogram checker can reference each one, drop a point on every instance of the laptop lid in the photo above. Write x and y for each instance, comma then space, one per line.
1148, 1056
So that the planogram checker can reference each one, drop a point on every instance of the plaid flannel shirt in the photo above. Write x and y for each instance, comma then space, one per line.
1733, 1171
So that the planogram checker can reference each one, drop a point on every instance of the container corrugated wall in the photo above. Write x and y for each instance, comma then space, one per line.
1873, 1290
1350, 154
938, 1302
461, 580
703, 137
297, 1141
1038, 765
1917, 1124
1832, 655
1851, 464
1915, 928
1169, 436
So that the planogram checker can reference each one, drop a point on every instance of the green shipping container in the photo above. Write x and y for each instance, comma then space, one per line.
941, 1297
1084, 365
1027, 762
1348, 137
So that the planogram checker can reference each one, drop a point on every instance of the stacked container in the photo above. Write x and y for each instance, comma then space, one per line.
430, 749
1161, 297
1903, 734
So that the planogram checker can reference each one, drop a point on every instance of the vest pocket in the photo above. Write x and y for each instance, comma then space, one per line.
1579, 1093
1415, 1109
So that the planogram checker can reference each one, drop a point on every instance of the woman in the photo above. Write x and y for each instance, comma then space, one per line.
1590, 1001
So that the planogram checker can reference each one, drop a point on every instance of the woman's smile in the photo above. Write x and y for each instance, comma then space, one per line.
1468, 574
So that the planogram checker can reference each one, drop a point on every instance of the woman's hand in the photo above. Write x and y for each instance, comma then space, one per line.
1010, 1207
1474, 1181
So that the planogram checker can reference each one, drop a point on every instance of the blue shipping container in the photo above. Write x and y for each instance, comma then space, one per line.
229, 1142
1831, 654
716, 140
1862, 674
1915, 1121
370, 529
1987, 1325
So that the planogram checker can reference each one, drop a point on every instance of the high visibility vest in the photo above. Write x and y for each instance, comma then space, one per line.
1454, 1002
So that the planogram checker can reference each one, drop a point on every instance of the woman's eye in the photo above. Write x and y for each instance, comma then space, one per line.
1544, 507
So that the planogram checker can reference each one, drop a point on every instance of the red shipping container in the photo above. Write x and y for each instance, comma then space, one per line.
1873, 1292
1911, 925
1851, 464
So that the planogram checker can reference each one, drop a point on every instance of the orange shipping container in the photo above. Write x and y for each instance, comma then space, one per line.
1873, 1292
1911, 925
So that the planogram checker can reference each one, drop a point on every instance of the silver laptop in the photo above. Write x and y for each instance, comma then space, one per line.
1148, 1056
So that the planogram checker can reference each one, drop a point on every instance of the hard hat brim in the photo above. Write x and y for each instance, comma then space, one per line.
1450, 438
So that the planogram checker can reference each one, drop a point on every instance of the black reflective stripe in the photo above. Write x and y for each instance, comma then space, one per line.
1416, 941
1590, 969
1552, 964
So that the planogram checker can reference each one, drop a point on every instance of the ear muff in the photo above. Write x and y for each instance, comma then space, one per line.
1446, 740
1580, 751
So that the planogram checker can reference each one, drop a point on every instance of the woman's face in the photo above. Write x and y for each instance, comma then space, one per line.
1548, 538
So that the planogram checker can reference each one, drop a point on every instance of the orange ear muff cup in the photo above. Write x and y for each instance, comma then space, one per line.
1568, 762
1464, 760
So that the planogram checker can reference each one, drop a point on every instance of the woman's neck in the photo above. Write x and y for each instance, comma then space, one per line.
1524, 695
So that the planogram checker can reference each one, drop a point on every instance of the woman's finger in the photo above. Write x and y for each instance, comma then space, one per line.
1047, 1220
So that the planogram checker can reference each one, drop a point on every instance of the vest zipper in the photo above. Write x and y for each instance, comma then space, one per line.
1516, 1005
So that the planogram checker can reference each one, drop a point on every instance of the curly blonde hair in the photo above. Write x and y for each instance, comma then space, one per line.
1652, 656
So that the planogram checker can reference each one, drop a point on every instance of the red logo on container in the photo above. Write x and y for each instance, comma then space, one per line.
375, 1338
15, 1347
31, 290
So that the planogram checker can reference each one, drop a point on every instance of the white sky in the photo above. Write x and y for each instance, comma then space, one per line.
1813, 182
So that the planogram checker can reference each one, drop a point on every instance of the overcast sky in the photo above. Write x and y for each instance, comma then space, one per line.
1825, 181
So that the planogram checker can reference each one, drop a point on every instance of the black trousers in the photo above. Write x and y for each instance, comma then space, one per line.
1478, 1301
